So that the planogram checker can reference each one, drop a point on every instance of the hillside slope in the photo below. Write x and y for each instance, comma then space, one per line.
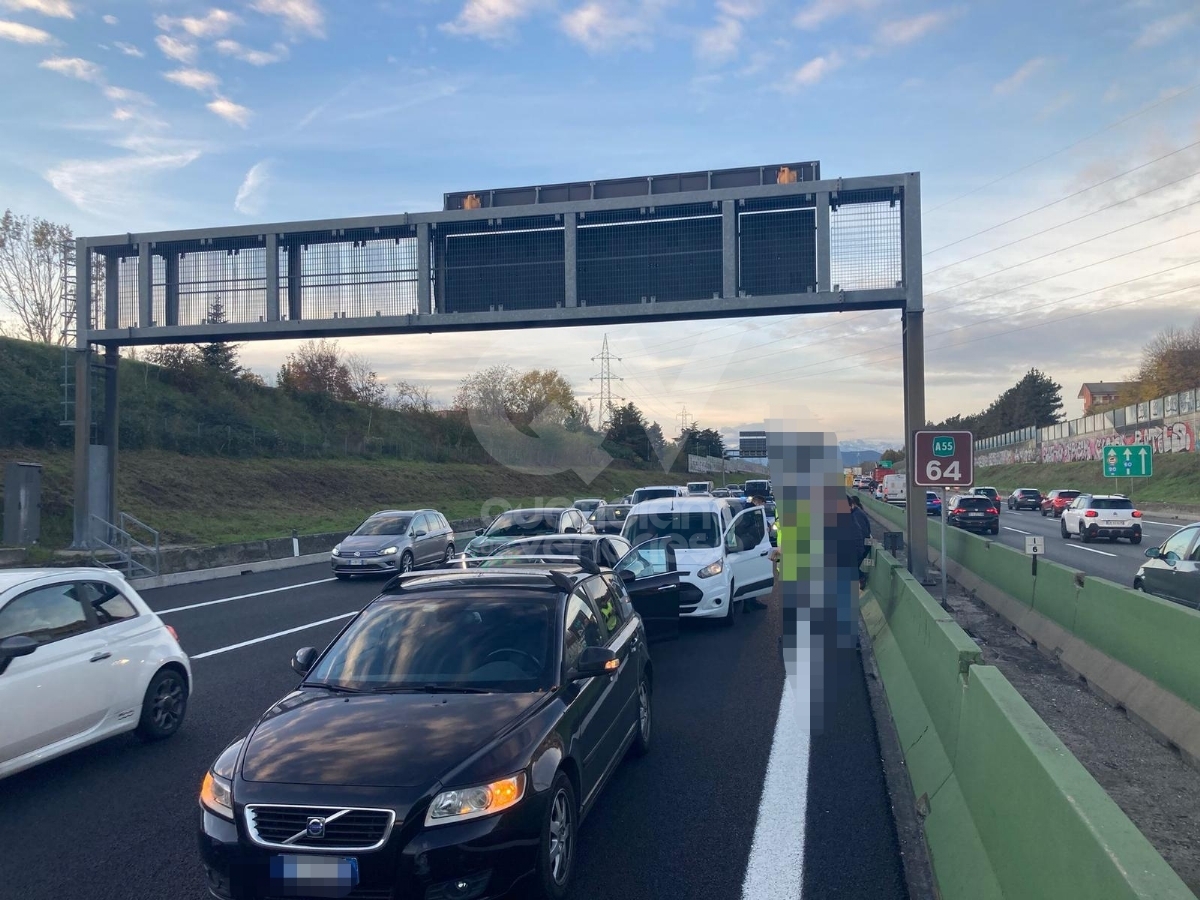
1176, 480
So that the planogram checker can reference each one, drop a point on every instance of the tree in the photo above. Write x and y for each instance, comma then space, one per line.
365, 385
220, 356
521, 397
706, 442
892, 456
654, 434
32, 255
627, 434
1035, 400
1170, 362
316, 367
410, 398
485, 392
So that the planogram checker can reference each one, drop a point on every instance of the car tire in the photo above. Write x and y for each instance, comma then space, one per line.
1062, 527
556, 850
995, 529
1139, 585
645, 729
731, 613
449, 555
342, 576
1136, 539
1083, 534
1043, 513
406, 563
163, 706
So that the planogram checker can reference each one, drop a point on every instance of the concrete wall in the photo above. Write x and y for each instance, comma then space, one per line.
1008, 810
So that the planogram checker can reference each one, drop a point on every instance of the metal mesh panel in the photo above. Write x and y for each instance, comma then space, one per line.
516, 264
865, 246
235, 279
158, 290
352, 279
777, 251
127, 293
639, 256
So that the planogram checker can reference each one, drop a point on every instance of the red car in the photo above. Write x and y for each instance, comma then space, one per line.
1056, 501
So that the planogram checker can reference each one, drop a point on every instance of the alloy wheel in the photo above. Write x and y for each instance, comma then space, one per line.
644, 711
560, 838
166, 706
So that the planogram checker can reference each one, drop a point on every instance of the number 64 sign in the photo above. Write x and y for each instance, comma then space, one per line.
944, 458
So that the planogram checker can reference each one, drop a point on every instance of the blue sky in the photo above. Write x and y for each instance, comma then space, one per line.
129, 116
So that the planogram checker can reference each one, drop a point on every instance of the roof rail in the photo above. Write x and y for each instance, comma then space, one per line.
561, 581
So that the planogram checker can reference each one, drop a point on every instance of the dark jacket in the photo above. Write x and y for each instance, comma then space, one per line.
861, 522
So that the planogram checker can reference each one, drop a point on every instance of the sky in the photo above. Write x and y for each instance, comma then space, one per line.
1058, 145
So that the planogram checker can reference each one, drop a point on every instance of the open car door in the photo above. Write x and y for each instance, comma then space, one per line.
652, 582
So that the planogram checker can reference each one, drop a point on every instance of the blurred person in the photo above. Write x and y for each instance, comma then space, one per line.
862, 530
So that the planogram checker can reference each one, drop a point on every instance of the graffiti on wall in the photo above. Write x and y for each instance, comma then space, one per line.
1171, 437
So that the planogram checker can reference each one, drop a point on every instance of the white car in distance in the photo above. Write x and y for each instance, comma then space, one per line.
82, 658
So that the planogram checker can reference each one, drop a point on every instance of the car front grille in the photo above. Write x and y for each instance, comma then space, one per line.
344, 828
358, 893
689, 597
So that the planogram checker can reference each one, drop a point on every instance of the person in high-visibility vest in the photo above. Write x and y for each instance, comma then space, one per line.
610, 615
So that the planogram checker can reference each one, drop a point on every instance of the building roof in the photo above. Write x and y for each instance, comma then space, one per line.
1106, 387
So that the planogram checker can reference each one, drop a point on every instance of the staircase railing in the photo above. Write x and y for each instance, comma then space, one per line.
126, 552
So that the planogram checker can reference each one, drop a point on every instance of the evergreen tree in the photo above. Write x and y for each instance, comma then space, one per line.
220, 356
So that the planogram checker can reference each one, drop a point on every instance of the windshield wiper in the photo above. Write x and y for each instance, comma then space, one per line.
336, 688
431, 689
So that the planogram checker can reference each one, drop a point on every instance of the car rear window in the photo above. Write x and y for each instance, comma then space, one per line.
974, 503
1113, 503
1031, 493
1068, 495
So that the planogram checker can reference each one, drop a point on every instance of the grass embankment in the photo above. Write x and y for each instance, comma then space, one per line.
1176, 480
216, 500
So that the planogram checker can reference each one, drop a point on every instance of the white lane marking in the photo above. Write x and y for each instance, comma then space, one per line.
1163, 524
774, 869
289, 587
1017, 530
270, 637
1092, 550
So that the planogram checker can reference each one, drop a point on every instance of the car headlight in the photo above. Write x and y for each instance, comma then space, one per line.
711, 569
216, 791
388, 551
475, 802
337, 551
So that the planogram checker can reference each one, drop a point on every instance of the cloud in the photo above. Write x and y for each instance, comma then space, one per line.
255, 57
814, 70
73, 67
489, 19
1162, 30
1019, 77
128, 49
1114, 93
24, 34
110, 20
251, 196
818, 12
108, 186
720, 42
214, 23
1057, 105
58, 9
230, 111
193, 79
173, 48
124, 95
298, 15
604, 24
905, 31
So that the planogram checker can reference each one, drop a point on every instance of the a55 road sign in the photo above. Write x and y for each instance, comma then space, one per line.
944, 458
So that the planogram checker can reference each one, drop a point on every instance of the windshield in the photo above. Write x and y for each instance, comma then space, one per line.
653, 494
586, 505
385, 524
495, 644
561, 545
610, 514
762, 488
1111, 503
692, 530
524, 523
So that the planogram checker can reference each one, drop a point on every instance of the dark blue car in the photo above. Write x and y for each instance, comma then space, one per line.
933, 503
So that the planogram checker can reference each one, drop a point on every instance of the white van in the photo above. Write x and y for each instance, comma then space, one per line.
642, 494
722, 558
699, 488
895, 488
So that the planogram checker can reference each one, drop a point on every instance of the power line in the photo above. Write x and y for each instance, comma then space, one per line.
1072, 146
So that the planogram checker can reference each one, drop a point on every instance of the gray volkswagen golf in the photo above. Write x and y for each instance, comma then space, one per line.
394, 540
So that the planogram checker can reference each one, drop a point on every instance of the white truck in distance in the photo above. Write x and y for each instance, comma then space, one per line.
895, 489
699, 488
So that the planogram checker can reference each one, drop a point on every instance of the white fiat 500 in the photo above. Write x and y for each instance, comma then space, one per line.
82, 658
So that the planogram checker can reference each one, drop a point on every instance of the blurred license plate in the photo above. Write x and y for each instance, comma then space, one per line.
975, 515
356, 562
1112, 524
313, 876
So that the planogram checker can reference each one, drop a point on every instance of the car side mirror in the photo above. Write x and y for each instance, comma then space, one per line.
1152, 553
17, 645
627, 576
479, 531
302, 662
570, 530
420, 533
594, 662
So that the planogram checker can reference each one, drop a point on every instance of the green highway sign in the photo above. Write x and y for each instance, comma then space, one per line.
943, 445
1128, 461
885, 464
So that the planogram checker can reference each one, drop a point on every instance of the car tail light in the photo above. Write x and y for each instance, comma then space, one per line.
1091, 514
993, 511
171, 631
1137, 513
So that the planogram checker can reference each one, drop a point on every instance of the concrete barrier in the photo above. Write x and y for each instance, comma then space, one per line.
1134, 650
1008, 811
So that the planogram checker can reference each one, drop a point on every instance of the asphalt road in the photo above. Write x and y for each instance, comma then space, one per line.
117, 821
1117, 561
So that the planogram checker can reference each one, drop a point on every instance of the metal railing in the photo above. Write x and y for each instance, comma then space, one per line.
128, 554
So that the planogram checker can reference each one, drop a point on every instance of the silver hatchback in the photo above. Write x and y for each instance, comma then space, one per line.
394, 540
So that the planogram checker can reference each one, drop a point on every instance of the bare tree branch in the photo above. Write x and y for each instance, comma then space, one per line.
31, 275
